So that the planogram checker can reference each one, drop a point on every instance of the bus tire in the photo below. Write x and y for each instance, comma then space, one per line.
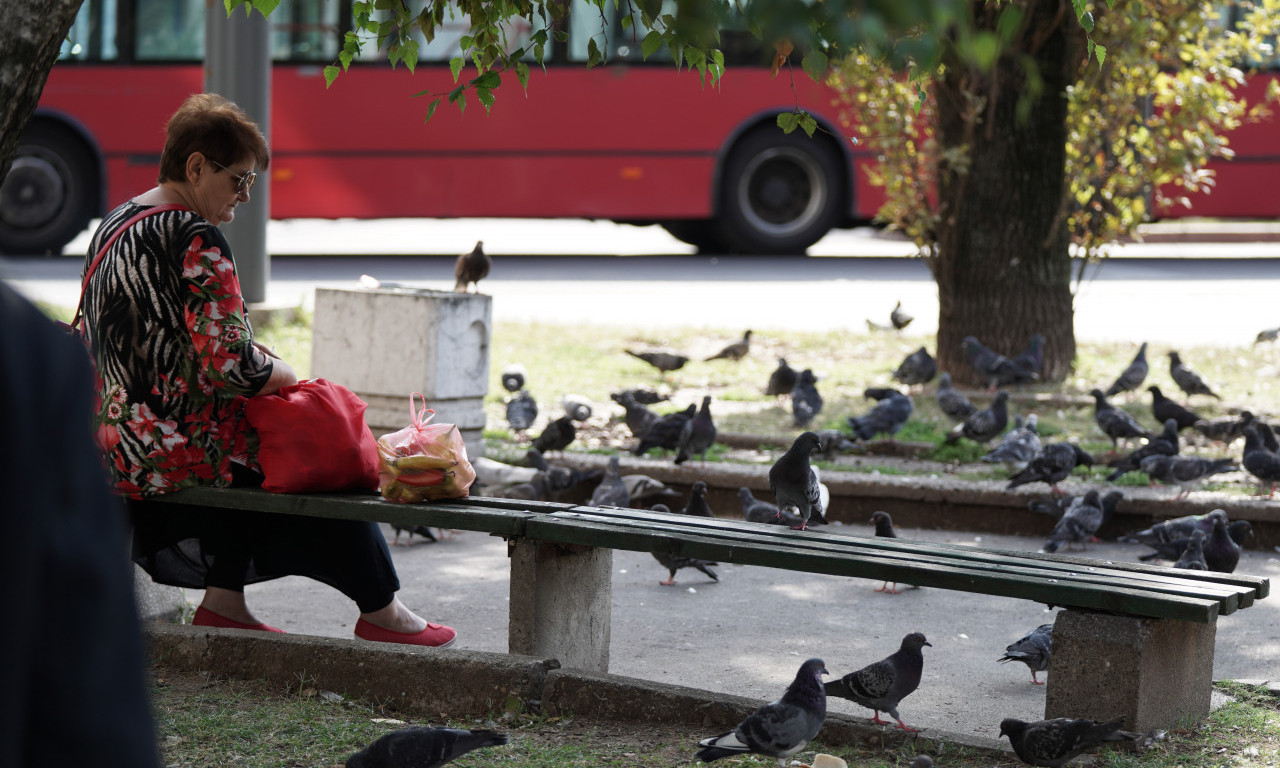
702, 234
51, 192
780, 192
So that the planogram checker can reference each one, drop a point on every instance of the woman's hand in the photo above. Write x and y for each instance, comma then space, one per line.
282, 374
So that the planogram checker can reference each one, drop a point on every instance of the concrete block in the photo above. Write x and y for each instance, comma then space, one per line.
386, 344
1155, 673
560, 603
156, 602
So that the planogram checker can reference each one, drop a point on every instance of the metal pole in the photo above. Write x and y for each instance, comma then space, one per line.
237, 65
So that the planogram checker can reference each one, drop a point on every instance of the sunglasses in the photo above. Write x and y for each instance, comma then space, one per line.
243, 183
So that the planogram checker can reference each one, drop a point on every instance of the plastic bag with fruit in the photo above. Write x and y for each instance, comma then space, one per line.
423, 461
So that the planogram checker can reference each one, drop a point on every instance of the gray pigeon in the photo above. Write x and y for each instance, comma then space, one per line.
1160, 535
665, 432
646, 396
1221, 553
1163, 444
697, 434
1185, 471
1018, 446
884, 528
559, 479
735, 351
1052, 465
921, 761
645, 490
1079, 521
611, 492
674, 563
1193, 556
522, 410
919, 367
993, 368
471, 268
833, 441
806, 403
955, 405
1131, 377
697, 504
899, 318
982, 426
1238, 531
513, 377
779, 729
782, 380
1165, 408
665, 362
759, 511
638, 417
1227, 429
793, 483
1050, 743
1032, 649
422, 530
576, 407
422, 747
886, 417
882, 685
1259, 460
1188, 380
556, 436
1114, 422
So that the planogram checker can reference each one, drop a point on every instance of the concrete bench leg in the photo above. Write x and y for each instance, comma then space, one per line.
1156, 673
560, 603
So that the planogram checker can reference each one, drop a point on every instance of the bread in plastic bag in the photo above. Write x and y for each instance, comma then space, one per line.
423, 461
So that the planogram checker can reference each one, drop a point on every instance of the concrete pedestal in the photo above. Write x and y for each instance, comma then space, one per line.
386, 344
1155, 673
560, 603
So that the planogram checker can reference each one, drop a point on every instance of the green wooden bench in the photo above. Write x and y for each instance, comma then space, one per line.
1133, 640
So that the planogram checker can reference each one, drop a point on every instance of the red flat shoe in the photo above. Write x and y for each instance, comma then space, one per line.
207, 618
434, 636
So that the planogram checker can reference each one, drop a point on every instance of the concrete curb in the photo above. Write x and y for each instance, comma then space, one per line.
432, 682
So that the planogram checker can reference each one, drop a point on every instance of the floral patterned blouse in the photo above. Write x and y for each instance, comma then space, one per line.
174, 354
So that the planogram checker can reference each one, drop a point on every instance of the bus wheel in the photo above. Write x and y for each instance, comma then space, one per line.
780, 193
49, 196
700, 233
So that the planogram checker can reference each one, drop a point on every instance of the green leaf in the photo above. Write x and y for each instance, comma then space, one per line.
522, 74
1086, 21
626, 22
651, 43
455, 67
265, 7
409, 53
331, 73
431, 108
489, 79
788, 121
808, 123
1101, 51
465, 42
485, 95
459, 96
346, 56
815, 64
593, 52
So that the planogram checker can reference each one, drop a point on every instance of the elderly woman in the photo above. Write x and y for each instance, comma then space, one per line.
176, 356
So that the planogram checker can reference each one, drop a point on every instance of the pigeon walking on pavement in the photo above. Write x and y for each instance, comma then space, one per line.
1115, 423
782, 380
882, 685
806, 403
423, 747
1050, 743
697, 434
955, 405
1079, 521
886, 417
884, 528
1192, 557
611, 492
793, 483
665, 362
1188, 380
781, 728
673, 562
1052, 465
1184, 471
984, 425
697, 504
1165, 408
1163, 444
1132, 376
1018, 446
1169, 537
471, 268
522, 410
556, 436
1032, 649
735, 351
919, 367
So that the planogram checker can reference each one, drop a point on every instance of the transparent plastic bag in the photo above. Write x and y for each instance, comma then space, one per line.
423, 461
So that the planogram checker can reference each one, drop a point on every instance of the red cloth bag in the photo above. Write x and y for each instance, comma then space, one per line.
312, 437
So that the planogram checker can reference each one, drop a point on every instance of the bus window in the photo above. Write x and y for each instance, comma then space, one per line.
170, 30
92, 36
306, 31
444, 46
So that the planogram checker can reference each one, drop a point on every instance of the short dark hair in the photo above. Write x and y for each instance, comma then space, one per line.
215, 127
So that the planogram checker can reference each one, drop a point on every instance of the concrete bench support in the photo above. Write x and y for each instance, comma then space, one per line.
560, 603
1157, 673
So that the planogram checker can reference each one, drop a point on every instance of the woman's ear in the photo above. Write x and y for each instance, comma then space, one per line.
195, 166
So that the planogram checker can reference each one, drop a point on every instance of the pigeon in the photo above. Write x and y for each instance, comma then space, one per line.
1188, 380
1226, 430
644, 490
1114, 422
665, 432
1159, 535
1163, 408
513, 377
1058, 506
759, 511
697, 504
955, 405
833, 441
471, 268
1221, 553
559, 479
611, 492
882, 685
793, 483
1131, 377
1239, 531
1018, 447
556, 436
735, 351
1259, 460
921, 761
898, 318
886, 417
884, 527
1170, 539
522, 410
422, 530
993, 368
646, 396
421, 746
674, 563
1186, 471
576, 407
665, 362
1032, 649
696, 434
1050, 743
1192, 557
985, 424
782, 380
1052, 465
779, 729
1267, 334
638, 417
1079, 521
1163, 444
919, 367
1032, 359
806, 403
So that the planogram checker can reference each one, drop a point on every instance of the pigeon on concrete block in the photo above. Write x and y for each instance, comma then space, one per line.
1165, 408
793, 483
1052, 465
806, 402
782, 380
1050, 743
1163, 444
993, 368
882, 685
471, 268
1018, 446
697, 434
1115, 423
886, 417
1188, 380
1131, 377
735, 351
1032, 649
955, 405
779, 729
611, 492
422, 747
1184, 471
919, 367
984, 425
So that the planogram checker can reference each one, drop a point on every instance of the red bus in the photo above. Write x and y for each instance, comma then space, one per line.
633, 141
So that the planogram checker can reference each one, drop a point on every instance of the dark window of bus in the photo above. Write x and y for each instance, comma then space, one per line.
92, 36
308, 30
170, 30
587, 22
445, 44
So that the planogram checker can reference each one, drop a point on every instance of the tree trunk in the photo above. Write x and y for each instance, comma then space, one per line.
31, 32
1002, 264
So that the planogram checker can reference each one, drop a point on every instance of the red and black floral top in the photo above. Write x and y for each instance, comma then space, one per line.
174, 354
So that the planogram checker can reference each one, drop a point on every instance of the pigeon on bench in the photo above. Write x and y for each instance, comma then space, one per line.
793, 482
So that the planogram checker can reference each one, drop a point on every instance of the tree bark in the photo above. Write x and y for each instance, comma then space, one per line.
1003, 265
31, 32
